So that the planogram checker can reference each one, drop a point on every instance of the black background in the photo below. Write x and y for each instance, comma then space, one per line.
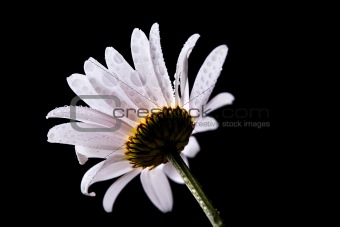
240, 168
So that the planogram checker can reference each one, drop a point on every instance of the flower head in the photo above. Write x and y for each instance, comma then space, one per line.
139, 144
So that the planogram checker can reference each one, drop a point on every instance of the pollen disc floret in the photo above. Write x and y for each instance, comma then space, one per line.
161, 132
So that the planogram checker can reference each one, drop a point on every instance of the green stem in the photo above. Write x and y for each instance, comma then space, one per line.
195, 189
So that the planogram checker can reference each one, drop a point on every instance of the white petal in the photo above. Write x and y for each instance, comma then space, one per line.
140, 49
207, 77
185, 98
81, 86
82, 159
185, 159
114, 190
205, 124
113, 170
128, 78
159, 65
192, 148
66, 134
96, 153
157, 187
105, 83
172, 173
87, 178
91, 116
182, 64
105, 172
218, 101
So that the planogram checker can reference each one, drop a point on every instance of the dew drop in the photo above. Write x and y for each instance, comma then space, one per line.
108, 82
143, 79
123, 104
137, 100
162, 70
154, 98
99, 90
132, 92
92, 80
134, 79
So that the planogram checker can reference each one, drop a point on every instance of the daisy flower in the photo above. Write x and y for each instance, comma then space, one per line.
156, 146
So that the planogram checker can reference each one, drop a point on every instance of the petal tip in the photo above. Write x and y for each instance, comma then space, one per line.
155, 26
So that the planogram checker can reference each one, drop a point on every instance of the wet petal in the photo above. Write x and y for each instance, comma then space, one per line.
181, 74
185, 99
157, 187
96, 153
114, 190
106, 84
66, 134
182, 64
127, 78
140, 49
207, 77
81, 86
92, 116
113, 167
218, 101
159, 65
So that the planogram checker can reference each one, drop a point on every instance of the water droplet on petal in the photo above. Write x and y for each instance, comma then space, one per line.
134, 79
93, 81
162, 70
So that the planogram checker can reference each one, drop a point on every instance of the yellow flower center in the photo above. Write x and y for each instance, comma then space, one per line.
160, 133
